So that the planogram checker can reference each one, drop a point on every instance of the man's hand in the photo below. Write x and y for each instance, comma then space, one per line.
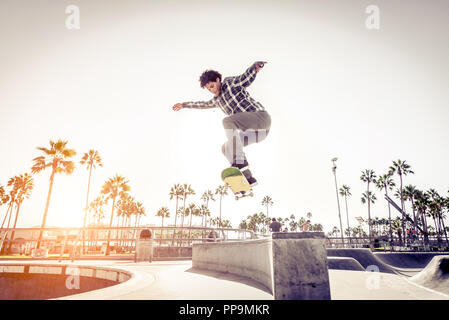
260, 65
177, 107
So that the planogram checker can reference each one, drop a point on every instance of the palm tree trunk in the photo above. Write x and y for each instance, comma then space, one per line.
110, 226
414, 216
389, 220
190, 227
221, 196
182, 217
46, 207
162, 229
14, 227
404, 235
8, 212
347, 218
445, 232
176, 216
369, 216
424, 222
85, 209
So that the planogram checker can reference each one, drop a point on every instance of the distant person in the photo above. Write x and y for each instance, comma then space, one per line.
306, 226
285, 229
275, 226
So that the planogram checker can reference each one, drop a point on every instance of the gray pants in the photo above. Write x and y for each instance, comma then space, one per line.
243, 129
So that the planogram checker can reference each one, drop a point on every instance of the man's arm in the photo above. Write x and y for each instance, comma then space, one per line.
195, 105
249, 75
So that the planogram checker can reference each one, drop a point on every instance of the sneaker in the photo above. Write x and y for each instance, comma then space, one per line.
252, 181
242, 166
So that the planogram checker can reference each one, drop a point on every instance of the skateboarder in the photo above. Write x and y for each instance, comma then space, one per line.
247, 121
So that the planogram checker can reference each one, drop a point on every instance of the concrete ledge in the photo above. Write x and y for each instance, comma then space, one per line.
252, 259
291, 265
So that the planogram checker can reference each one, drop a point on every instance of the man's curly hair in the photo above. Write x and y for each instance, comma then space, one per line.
208, 76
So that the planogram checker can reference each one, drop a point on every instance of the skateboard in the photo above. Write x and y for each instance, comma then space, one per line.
237, 182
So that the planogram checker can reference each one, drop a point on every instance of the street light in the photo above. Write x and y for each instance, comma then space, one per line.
334, 170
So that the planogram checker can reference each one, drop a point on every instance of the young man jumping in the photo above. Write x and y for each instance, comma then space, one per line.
247, 121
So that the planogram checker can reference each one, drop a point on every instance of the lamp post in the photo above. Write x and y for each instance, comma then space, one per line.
334, 170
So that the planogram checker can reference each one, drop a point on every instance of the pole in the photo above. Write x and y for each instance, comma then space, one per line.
334, 169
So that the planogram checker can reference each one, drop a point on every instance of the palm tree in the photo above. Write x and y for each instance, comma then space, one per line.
207, 195
402, 169
10, 199
437, 205
186, 191
345, 192
385, 182
267, 201
175, 192
309, 215
114, 187
421, 204
293, 224
90, 159
126, 207
368, 176
140, 211
96, 207
192, 210
410, 194
163, 212
55, 158
24, 185
222, 190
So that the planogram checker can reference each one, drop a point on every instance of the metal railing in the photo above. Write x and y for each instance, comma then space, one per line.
433, 243
94, 240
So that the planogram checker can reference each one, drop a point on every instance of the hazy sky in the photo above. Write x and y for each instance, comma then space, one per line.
333, 87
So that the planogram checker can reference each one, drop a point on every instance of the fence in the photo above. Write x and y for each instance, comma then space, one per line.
121, 240
433, 243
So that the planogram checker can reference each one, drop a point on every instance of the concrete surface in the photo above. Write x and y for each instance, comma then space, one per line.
435, 275
177, 280
252, 259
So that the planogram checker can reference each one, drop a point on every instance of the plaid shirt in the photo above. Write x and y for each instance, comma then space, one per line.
233, 97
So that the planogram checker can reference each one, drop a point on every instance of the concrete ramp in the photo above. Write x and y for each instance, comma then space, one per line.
407, 259
435, 275
363, 256
344, 263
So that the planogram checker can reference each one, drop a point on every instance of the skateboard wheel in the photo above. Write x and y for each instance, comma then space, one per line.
236, 197
251, 194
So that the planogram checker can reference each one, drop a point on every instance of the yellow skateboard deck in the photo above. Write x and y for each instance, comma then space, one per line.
237, 182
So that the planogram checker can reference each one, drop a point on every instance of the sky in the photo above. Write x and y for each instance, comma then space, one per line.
333, 86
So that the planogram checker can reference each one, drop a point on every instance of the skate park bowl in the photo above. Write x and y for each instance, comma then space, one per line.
32, 281
400, 263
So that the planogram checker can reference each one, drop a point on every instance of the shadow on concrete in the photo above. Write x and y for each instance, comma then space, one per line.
230, 277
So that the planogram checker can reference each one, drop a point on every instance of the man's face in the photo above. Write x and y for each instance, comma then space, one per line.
214, 86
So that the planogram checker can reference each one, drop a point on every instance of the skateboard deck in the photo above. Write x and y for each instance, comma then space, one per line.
237, 182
